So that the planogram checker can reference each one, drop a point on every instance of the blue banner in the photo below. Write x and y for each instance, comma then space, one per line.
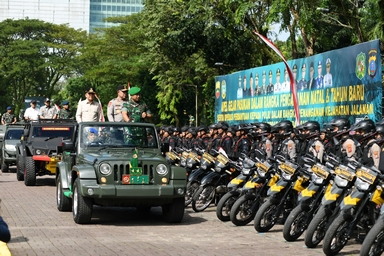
341, 83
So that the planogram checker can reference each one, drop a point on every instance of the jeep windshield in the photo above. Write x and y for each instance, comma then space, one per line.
14, 134
52, 132
117, 135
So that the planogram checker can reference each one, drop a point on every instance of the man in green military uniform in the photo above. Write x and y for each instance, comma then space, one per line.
135, 110
65, 113
8, 117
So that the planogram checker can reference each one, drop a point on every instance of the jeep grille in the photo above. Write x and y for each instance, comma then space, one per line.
120, 169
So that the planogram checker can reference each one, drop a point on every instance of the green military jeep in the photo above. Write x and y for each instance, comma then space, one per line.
117, 164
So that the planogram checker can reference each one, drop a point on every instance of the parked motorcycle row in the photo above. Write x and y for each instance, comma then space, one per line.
330, 202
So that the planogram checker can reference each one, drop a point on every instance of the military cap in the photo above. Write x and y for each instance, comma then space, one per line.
93, 130
256, 76
65, 102
47, 100
122, 88
134, 90
33, 101
264, 73
278, 71
303, 67
90, 90
328, 62
319, 64
311, 65
9, 108
270, 73
294, 68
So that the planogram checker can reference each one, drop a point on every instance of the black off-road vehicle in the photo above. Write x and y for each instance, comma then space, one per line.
118, 164
39, 149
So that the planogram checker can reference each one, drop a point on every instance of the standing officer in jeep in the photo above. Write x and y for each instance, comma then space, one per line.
135, 110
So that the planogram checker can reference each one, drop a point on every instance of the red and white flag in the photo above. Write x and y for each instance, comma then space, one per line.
292, 80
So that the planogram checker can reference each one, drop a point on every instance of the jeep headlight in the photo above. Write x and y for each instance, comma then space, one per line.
105, 169
10, 148
38, 152
161, 169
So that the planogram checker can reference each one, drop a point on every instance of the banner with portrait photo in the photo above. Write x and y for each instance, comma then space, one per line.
341, 83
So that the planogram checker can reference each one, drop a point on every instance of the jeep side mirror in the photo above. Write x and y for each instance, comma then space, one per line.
67, 145
164, 147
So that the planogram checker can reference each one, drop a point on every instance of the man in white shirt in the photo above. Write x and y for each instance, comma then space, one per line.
48, 111
88, 110
32, 113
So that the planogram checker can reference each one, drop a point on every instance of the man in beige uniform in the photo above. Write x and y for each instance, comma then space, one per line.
88, 110
115, 105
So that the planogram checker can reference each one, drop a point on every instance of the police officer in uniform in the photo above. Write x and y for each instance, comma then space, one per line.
286, 145
328, 75
270, 89
89, 110
135, 110
64, 112
8, 117
47, 111
115, 105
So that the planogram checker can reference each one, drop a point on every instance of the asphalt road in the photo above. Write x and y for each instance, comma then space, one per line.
38, 228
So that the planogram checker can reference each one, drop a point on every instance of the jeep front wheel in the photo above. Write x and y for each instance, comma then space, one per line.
4, 167
20, 168
29, 172
174, 212
81, 206
64, 203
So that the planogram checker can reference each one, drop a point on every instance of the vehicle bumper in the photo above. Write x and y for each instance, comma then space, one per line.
89, 188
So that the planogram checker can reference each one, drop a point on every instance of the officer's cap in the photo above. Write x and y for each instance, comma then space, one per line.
65, 102
93, 130
134, 90
9, 108
311, 65
328, 62
278, 71
319, 64
303, 67
264, 73
47, 100
122, 88
270, 73
294, 68
256, 76
90, 90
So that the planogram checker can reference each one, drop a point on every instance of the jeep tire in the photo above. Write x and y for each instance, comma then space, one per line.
20, 168
174, 212
63, 203
81, 206
29, 172
4, 166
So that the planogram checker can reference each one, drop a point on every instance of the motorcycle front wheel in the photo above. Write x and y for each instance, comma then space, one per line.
373, 244
243, 211
192, 187
317, 228
265, 217
203, 198
295, 225
337, 236
225, 204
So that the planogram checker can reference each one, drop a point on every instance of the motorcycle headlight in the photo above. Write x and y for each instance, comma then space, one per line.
246, 171
261, 174
318, 180
203, 166
183, 162
38, 152
340, 181
362, 185
105, 169
217, 169
286, 176
161, 169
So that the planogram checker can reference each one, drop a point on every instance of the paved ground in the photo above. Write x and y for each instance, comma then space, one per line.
38, 228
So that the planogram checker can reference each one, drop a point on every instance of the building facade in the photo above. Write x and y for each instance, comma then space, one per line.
78, 14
